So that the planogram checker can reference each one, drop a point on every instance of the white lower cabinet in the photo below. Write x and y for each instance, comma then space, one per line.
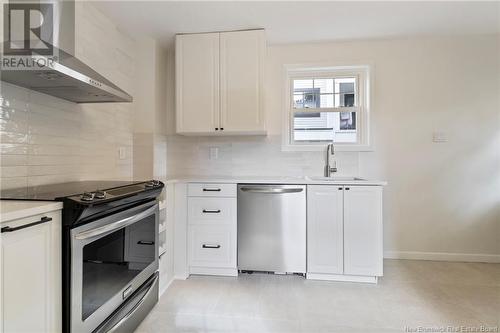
212, 231
344, 232
325, 243
363, 248
31, 275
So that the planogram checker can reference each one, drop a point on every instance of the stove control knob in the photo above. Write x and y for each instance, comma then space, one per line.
87, 196
99, 194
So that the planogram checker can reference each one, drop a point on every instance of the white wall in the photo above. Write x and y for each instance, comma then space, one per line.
441, 197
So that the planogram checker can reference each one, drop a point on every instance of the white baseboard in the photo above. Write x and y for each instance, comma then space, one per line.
442, 256
341, 278
162, 291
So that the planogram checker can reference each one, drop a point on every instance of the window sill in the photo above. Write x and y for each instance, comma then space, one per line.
322, 147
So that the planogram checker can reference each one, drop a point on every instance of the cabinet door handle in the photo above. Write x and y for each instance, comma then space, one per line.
340, 188
44, 219
211, 190
211, 211
347, 188
145, 242
208, 246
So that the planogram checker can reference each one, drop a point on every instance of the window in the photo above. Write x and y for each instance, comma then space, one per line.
327, 105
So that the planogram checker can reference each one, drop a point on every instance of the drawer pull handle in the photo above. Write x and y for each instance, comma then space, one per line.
211, 211
44, 219
207, 246
211, 190
145, 242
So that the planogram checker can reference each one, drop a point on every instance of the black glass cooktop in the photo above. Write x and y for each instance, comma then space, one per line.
55, 192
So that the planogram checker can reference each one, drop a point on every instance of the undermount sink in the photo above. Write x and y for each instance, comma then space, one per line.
334, 179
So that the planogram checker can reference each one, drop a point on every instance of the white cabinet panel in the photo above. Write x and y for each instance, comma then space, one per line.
212, 237
324, 229
219, 79
363, 248
211, 210
31, 276
197, 83
211, 190
212, 246
241, 68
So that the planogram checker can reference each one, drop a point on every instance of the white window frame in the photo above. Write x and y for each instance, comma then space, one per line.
363, 73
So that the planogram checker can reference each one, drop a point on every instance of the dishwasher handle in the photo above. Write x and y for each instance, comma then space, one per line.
272, 190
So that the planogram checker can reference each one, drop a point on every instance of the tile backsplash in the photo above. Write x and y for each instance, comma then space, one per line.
46, 140
249, 156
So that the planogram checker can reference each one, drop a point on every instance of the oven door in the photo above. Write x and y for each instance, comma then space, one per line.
111, 258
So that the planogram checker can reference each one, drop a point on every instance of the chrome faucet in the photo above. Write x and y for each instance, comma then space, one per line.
329, 169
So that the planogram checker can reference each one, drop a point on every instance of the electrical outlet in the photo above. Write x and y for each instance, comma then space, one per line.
439, 137
122, 153
213, 153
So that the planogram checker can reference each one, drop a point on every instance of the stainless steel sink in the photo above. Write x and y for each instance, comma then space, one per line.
334, 179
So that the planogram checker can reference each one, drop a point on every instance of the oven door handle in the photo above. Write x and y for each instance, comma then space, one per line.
115, 225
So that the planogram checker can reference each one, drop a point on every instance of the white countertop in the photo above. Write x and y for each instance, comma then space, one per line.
17, 209
277, 180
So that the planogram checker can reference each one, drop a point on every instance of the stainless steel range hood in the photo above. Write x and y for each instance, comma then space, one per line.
67, 77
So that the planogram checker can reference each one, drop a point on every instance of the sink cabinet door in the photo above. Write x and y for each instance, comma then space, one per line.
363, 230
324, 229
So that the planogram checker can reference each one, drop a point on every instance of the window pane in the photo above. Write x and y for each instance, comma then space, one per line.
337, 127
346, 100
325, 86
326, 101
298, 101
298, 85
345, 85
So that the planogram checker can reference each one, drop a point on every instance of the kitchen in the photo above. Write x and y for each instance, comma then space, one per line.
229, 167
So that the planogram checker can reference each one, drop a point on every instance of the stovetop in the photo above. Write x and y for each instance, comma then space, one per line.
57, 192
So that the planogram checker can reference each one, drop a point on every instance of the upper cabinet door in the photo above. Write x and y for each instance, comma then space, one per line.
324, 229
242, 56
197, 83
363, 230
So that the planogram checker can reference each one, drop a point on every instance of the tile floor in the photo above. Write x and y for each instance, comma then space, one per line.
412, 295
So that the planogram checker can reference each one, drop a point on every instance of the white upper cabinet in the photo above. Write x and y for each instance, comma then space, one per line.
241, 69
219, 83
197, 83
363, 248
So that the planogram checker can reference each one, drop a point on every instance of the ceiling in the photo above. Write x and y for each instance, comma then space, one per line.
305, 21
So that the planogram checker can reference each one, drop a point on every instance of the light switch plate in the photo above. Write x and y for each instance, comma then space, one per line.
439, 137
122, 153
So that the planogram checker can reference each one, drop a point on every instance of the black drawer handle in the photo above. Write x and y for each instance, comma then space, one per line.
44, 219
211, 211
211, 190
146, 243
206, 246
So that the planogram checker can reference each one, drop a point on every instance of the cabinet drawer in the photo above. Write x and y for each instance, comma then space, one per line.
211, 190
212, 246
212, 211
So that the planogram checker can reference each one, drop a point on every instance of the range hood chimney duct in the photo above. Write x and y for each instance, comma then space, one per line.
62, 74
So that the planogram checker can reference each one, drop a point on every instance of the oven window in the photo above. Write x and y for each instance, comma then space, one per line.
110, 263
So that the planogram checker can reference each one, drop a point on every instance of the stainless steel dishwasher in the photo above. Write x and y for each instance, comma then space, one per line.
272, 228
